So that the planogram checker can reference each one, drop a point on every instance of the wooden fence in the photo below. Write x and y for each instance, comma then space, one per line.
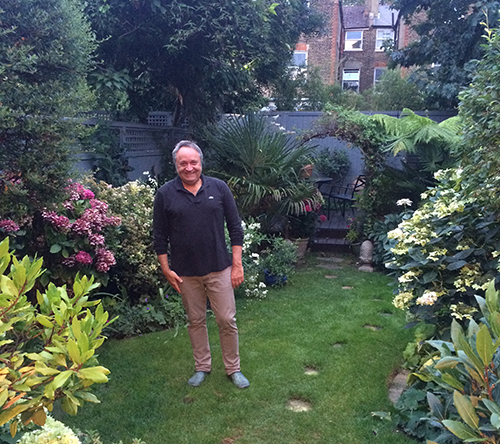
144, 144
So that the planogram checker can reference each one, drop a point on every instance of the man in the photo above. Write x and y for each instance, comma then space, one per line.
189, 214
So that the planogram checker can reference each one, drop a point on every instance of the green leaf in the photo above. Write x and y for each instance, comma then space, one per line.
466, 410
61, 378
95, 374
461, 430
69, 406
492, 297
435, 405
74, 352
453, 382
7, 286
492, 406
44, 321
484, 346
495, 420
87, 396
55, 248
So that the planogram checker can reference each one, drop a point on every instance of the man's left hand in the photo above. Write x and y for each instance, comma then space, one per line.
237, 275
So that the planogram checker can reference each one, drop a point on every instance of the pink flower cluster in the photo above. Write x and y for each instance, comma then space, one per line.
88, 225
78, 192
82, 257
61, 223
105, 260
9, 226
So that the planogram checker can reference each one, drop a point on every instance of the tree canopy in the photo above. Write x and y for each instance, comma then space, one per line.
196, 57
450, 40
46, 49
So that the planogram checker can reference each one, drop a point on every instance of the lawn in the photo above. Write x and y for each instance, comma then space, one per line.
330, 338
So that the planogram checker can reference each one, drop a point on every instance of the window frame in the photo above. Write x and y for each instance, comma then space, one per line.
378, 48
300, 51
346, 40
382, 68
352, 71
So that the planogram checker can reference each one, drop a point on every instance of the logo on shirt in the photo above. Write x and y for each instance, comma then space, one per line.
210, 197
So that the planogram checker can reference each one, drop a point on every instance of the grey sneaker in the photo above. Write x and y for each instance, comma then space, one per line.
197, 379
239, 380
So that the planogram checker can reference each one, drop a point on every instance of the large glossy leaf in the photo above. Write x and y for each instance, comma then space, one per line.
484, 346
466, 410
435, 405
461, 430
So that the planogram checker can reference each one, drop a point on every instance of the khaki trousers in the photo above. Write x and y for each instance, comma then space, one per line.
217, 287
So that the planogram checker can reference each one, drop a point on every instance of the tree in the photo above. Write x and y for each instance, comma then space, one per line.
450, 40
45, 53
197, 57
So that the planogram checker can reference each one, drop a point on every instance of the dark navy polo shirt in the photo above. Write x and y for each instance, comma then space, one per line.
194, 226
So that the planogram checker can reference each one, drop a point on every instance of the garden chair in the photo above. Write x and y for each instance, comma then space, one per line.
341, 196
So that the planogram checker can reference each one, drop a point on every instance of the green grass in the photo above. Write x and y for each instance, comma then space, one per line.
300, 325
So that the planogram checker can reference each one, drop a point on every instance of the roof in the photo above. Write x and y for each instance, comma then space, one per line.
354, 17
385, 14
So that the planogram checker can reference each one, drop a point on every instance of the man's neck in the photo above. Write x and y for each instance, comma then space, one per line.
193, 188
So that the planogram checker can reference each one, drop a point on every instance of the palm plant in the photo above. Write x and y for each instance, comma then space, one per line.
262, 166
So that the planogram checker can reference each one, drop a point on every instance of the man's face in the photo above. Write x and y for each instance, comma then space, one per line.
188, 164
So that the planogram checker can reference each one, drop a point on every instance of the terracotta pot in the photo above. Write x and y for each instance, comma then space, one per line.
302, 245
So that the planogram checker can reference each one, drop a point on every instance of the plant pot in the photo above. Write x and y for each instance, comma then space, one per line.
271, 280
301, 245
355, 248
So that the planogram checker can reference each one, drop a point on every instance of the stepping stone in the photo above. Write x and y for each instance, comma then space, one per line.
346, 288
330, 266
338, 344
372, 327
298, 405
337, 260
331, 276
386, 313
311, 371
397, 385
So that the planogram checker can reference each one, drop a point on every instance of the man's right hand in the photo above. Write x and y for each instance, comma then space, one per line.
171, 275
173, 279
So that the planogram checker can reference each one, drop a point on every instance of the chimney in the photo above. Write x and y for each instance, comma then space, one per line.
371, 10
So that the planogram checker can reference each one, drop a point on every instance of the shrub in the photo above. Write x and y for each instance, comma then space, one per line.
253, 243
137, 274
279, 258
47, 48
444, 253
333, 164
461, 379
47, 348
147, 315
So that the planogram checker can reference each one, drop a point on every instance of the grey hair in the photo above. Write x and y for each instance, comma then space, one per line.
189, 144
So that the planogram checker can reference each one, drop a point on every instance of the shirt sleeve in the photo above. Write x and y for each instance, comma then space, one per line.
160, 226
233, 221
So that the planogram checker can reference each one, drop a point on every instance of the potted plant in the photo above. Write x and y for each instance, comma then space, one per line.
278, 261
301, 227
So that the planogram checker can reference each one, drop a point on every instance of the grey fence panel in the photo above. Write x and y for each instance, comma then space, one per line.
143, 145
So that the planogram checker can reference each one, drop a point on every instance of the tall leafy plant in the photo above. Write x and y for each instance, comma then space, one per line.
262, 166
463, 398
47, 347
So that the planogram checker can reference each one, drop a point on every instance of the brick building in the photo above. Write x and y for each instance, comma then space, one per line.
349, 51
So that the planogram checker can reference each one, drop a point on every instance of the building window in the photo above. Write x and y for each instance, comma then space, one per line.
350, 80
382, 36
353, 40
299, 58
377, 74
